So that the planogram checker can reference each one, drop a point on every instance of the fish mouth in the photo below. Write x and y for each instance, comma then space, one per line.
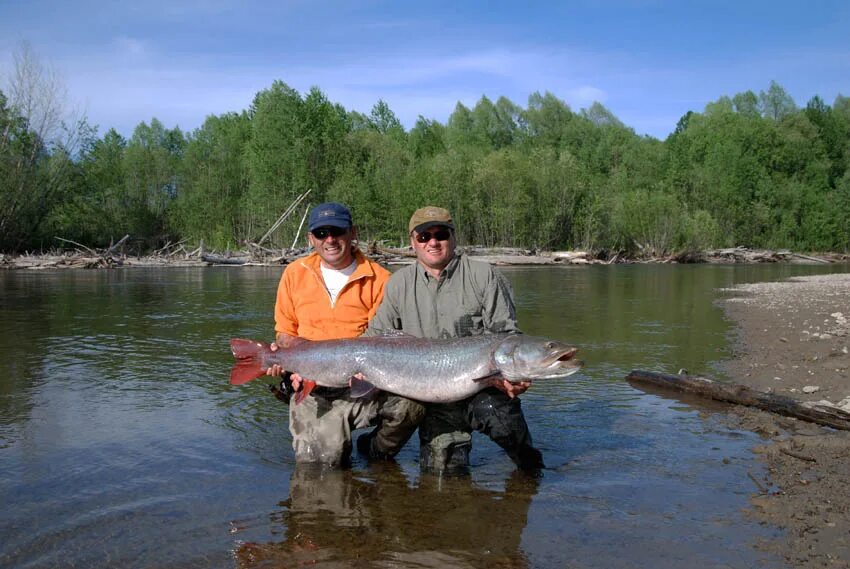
561, 363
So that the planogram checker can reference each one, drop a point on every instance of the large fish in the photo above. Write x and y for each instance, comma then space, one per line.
437, 371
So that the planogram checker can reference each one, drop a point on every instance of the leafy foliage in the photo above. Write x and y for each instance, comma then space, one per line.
748, 170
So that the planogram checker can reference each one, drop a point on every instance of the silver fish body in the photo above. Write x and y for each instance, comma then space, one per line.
427, 370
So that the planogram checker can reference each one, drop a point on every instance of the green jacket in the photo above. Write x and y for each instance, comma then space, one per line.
469, 298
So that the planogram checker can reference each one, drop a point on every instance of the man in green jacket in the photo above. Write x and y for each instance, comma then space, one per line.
446, 295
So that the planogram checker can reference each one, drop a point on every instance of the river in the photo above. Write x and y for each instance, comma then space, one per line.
122, 444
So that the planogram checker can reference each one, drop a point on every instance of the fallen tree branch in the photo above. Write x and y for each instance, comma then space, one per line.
797, 455
760, 486
263, 250
743, 395
114, 247
300, 225
222, 260
819, 260
283, 217
92, 251
164, 249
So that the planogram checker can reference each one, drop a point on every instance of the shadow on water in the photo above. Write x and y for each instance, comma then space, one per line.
122, 444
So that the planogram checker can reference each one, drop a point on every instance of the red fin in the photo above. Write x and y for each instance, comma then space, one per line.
250, 356
306, 387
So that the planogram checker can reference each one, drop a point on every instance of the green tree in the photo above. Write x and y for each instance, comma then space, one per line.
214, 178
151, 168
776, 103
21, 149
98, 209
427, 138
831, 136
383, 119
547, 120
746, 103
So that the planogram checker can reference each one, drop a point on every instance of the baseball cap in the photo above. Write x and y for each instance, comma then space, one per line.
428, 216
330, 214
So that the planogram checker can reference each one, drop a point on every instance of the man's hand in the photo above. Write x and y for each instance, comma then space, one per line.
296, 381
508, 388
276, 370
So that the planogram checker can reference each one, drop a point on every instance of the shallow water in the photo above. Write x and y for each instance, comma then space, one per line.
122, 444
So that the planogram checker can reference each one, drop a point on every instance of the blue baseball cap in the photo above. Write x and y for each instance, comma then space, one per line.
330, 214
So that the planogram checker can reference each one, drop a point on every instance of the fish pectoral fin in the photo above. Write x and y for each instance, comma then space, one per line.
360, 387
306, 387
488, 377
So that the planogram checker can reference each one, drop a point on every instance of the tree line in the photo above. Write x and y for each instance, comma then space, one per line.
751, 169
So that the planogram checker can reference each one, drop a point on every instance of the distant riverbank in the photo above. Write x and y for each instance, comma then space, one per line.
179, 257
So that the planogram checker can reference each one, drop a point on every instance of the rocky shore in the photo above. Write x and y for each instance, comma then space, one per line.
794, 339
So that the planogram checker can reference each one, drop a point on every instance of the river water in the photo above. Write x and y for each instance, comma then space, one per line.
122, 444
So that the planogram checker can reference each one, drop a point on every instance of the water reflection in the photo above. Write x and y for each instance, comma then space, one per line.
378, 518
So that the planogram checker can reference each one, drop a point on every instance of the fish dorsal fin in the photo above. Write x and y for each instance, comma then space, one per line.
360, 387
392, 333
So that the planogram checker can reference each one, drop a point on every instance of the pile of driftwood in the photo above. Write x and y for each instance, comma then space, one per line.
747, 255
255, 254
493, 255
81, 258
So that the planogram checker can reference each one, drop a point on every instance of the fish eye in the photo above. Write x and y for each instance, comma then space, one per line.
550, 345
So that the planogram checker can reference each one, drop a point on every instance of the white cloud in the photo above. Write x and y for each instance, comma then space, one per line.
586, 95
130, 46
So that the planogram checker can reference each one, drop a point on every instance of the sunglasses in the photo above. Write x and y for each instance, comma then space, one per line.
321, 233
439, 235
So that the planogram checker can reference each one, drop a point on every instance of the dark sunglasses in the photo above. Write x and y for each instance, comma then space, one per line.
321, 233
439, 235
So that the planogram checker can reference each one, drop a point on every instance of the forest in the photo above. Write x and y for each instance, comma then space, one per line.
750, 169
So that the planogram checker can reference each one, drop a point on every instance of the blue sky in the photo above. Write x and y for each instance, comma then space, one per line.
649, 62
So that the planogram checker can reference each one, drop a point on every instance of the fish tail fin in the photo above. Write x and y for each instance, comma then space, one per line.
249, 356
306, 387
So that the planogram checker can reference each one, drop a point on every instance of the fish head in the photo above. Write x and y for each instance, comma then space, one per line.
520, 357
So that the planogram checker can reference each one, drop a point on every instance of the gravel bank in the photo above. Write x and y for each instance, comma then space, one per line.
794, 339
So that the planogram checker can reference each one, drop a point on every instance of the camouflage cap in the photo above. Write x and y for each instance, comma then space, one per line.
428, 216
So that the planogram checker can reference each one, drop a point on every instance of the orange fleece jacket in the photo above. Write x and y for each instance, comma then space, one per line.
303, 307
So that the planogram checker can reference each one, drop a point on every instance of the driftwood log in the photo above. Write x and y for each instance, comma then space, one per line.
741, 395
213, 259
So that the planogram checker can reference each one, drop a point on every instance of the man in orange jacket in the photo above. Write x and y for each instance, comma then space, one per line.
332, 294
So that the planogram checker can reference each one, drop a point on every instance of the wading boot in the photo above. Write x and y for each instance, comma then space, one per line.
446, 454
367, 446
530, 461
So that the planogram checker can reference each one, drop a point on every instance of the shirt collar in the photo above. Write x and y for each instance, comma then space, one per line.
445, 273
364, 269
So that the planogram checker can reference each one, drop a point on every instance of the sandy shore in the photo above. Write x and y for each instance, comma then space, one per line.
794, 339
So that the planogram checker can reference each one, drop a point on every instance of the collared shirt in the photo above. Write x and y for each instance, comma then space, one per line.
469, 298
